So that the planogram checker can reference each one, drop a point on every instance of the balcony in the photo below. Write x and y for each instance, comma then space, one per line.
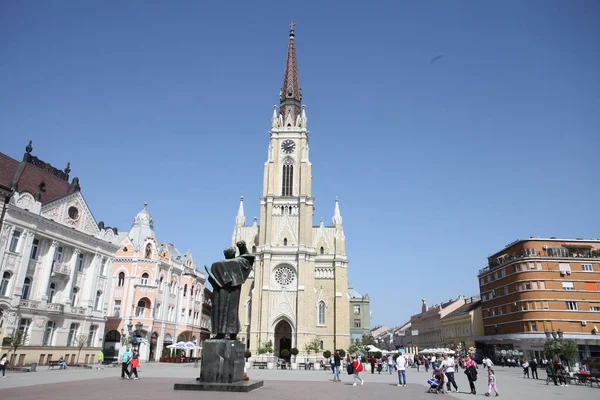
30, 304
79, 310
580, 255
55, 308
61, 270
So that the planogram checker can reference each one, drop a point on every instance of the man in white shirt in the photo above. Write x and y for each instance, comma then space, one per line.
401, 363
448, 367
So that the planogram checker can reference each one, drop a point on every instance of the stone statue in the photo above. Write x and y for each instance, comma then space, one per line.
226, 278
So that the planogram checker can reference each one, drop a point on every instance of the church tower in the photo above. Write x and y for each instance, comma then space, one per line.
298, 291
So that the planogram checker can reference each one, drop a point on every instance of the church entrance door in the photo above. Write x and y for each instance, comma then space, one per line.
283, 338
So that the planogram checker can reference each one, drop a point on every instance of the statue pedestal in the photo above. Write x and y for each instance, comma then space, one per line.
221, 369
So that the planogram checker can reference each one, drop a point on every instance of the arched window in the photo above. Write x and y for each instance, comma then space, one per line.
74, 296
285, 242
141, 308
51, 292
5, 283
185, 290
26, 289
322, 250
72, 334
98, 301
287, 178
121, 280
148, 253
192, 291
321, 313
144, 278
321, 344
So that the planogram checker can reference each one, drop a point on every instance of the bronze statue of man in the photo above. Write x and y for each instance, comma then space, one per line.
226, 278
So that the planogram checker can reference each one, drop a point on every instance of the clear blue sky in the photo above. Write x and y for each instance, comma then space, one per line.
436, 164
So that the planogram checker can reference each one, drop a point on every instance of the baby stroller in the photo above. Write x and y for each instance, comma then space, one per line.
436, 383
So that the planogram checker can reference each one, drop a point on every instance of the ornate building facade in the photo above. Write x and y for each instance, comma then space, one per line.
157, 295
298, 291
55, 263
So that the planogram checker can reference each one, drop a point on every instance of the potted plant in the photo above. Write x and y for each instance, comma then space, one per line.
247, 355
269, 350
285, 354
294, 352
313, 346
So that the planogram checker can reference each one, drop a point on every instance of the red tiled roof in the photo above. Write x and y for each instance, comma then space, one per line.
30, 178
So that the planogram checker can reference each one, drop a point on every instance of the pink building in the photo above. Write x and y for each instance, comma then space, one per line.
156, 296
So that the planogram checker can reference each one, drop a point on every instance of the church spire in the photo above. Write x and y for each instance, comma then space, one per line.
337, 216
240, 220
290, 98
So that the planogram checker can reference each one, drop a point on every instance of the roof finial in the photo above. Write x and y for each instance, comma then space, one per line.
145, 205
292, 24
29, 148
68, 169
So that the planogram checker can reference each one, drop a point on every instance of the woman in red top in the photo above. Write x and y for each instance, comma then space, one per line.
135, 363
358, 367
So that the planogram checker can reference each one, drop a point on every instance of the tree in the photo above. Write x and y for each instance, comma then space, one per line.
79, 342
267, 348
247, 354
342, 353
367, 339
564, 349
569, 350
19, 338
313, 345
326, 354
357, 347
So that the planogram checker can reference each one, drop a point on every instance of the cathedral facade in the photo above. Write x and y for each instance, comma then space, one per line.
298, 291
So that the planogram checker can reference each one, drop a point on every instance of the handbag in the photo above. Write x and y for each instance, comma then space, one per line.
350, 368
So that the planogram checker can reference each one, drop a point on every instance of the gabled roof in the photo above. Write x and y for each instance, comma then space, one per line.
464, 309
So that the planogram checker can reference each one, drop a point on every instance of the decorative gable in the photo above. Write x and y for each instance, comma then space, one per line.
72, 211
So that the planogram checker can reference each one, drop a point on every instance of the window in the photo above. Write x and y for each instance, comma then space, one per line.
24, 324
558, 252
74, 296
527, 285
495, 275
539, 266
321, 344
503, 272
14, 241
321, 313
141, 308
35, 246
567, 285
572, 305
48, 333
144, 278
26, 289
545, 305
72, 334
285, 242
595, 308
157, 311
566, 267
481, 281
5, 283
357, 323
160, 283
356, 309
92, 335
103, 267
121, 280
117, 308
590, 286
51, 292
80, 262
287, 178
587, 267
98, 301
185, 290
58, 254
542, 285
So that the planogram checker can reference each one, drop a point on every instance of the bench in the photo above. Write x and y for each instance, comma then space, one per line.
303, 366
259, 364
52, 364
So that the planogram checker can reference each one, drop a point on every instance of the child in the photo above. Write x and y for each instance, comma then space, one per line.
492, 383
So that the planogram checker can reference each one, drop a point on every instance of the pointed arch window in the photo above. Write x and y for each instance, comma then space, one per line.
185, 290
26, 289
322, 250
5, 283
51, 292
285, 242
321, 313
287, 178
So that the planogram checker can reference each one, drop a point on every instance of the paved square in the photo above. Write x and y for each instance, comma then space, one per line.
156, 382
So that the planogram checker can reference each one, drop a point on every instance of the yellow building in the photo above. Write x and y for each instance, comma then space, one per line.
460, 327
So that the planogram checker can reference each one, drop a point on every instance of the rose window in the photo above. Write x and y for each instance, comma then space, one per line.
284, 276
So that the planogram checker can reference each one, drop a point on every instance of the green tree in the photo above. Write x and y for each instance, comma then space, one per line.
247, 354
367, 339
313, 345
19, 338
326, 354
357, 347
569, 350
267, 348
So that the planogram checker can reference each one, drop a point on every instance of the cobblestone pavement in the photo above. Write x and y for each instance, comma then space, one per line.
157, 383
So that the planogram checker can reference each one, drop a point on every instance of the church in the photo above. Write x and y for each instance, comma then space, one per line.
298, 291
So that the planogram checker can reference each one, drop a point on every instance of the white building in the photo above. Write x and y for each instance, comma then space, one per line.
55, 264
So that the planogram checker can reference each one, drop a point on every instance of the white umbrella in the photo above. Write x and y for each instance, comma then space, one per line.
191, 346
178, 345
373, 349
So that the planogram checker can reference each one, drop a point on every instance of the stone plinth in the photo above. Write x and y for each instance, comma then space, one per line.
244, 386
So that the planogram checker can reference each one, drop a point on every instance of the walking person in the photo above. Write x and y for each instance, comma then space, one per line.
135, 363
448, 367
357, 366
401, 363
471, 372
525, 366
372, 361
533, 366
492, 383
337, 362
127, 354
100, 360
390, 363
3, 364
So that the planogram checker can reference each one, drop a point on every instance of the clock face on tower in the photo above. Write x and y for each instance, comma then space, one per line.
288, 146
